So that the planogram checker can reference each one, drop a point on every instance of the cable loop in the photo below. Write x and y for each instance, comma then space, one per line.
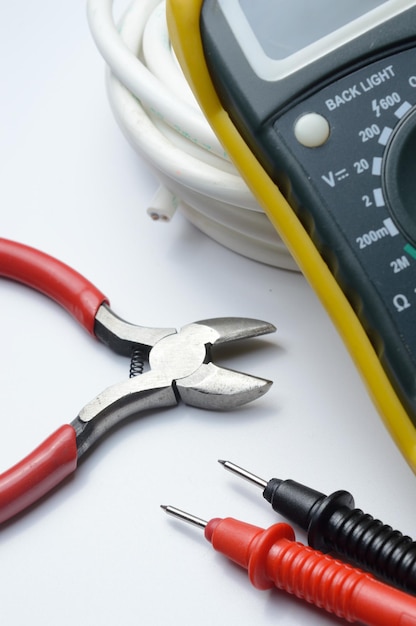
157, 111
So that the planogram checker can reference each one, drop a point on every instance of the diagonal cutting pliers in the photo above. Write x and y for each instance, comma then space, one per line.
180, 368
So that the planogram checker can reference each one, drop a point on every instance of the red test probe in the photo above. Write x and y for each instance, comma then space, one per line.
273, 558
334, 525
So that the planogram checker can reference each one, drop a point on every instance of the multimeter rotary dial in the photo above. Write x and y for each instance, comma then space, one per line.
355, 193
399, 176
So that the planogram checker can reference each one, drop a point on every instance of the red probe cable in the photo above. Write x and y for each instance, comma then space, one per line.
273, 558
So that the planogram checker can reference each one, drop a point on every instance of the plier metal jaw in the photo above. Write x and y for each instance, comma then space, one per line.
180, 368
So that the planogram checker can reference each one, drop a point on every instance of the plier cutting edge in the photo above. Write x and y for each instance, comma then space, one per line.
180, 368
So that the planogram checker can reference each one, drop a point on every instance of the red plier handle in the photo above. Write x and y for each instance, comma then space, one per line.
38, 473
56, 458
53, 278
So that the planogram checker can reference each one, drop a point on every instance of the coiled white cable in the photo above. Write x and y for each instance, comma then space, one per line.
157, 112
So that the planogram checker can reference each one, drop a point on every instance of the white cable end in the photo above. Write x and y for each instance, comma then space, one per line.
163, 206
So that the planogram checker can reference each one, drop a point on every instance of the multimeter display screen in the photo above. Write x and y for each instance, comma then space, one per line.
283, 28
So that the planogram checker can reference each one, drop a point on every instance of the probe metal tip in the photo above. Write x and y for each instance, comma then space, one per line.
252, 478
186, 517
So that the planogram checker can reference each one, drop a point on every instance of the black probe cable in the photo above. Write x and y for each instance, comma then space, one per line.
334, 525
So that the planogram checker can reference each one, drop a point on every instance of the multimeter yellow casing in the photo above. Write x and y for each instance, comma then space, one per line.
184, 27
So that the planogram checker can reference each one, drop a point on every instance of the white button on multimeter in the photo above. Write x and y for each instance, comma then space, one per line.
315, 101
311, 130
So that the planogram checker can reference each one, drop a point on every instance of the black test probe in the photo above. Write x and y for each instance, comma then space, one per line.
334, 525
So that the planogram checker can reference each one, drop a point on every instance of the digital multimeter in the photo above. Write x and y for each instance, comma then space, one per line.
315, 102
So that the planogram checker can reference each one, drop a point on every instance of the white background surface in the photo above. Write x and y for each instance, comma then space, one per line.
99, 550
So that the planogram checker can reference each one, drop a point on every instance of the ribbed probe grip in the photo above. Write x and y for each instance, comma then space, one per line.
336, 587
273, 558
369, 543
334, 525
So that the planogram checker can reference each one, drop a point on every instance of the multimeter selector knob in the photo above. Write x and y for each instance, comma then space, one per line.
399, 176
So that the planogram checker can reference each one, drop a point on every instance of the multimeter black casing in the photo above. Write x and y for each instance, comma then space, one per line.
337, 139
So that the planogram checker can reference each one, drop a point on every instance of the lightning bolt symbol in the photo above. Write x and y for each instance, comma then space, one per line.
376, 107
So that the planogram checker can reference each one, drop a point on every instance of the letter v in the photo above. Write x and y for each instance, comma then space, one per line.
330, 179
